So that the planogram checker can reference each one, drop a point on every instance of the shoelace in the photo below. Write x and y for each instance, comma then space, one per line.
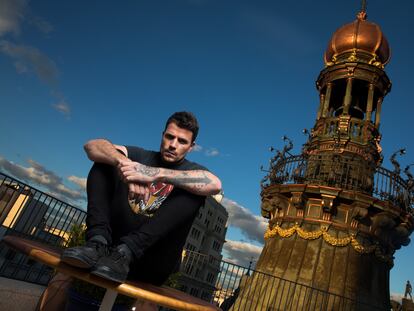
116, 254
101, 248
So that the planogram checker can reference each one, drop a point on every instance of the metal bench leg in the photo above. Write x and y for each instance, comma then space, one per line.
108, 300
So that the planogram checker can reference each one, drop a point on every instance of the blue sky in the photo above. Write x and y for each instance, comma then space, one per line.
76, 70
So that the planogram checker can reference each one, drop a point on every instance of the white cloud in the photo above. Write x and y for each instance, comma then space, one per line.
31, 59
241, 253
209, 152
80, 181
38, 174
197, 148
42, 25
62, 107
212, 152
11, 15
251, 226
20, 67
28, 59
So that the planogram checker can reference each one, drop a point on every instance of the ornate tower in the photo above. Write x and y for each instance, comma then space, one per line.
336, 217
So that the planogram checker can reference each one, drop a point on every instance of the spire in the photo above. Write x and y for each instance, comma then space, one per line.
362, 15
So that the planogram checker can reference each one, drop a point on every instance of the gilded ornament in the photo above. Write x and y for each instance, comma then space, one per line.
331, 240
352, 57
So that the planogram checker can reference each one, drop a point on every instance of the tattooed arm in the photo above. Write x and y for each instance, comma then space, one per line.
199, 182
103, 151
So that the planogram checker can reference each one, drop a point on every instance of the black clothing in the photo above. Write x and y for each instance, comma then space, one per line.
114, 266
85, 256
156, 241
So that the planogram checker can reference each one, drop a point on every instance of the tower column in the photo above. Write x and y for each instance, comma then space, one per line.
378, 113
327, 99
321, 106
348, 96
370, 102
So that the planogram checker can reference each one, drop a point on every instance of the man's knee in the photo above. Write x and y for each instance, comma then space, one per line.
102, 171
182, 203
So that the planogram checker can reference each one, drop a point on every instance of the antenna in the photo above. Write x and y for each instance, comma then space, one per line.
362, 15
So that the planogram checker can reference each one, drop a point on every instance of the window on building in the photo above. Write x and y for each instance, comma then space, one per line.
195, 234
216, 246
210, 277
190, 247
217, 228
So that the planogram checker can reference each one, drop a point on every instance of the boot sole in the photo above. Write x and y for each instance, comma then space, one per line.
105, 273
77, 261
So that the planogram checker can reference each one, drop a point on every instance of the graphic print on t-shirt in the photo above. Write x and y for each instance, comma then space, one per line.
158, 193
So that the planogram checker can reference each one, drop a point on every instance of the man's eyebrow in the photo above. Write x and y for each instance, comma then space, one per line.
183, 140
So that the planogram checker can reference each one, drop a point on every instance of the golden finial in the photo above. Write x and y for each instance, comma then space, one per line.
362, 15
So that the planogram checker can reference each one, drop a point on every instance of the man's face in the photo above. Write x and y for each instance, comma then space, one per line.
176, 143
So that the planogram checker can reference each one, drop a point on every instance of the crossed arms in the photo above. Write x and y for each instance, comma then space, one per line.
138, 176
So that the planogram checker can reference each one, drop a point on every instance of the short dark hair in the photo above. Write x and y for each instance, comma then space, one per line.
185, 120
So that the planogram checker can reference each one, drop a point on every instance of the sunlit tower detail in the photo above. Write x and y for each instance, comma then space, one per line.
336, 217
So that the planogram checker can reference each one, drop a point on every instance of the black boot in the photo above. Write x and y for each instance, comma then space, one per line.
85, 256
115, 266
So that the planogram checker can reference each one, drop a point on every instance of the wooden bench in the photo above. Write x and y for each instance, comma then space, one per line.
163, 296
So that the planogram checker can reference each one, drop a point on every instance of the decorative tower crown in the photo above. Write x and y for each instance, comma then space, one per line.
360, 41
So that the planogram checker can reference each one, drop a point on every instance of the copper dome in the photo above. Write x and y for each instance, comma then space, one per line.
360, 40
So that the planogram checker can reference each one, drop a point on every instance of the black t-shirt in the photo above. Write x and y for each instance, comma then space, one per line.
159, 191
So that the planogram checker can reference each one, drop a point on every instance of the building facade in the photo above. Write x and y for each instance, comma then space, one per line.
202, 254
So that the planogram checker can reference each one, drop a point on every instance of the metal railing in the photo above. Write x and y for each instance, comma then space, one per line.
361, 131
31, 213
239, 288
386, 185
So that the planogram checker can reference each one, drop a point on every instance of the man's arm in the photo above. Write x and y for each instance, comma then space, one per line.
103, 151
199, 182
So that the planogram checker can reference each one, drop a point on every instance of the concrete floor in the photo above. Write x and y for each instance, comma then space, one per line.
18, 295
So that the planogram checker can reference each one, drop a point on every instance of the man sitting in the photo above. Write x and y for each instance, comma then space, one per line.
143, 204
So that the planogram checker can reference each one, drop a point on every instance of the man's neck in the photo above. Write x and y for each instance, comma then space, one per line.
167, 164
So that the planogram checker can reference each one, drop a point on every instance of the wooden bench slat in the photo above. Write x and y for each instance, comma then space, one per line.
164, 296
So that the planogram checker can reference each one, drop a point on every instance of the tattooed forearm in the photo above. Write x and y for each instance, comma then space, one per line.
195, 181
192, 180
147, 170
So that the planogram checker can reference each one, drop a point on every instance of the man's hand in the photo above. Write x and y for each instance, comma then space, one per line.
138, 192
135, 172
199, 182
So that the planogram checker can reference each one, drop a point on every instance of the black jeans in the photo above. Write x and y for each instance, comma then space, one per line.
157, 241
